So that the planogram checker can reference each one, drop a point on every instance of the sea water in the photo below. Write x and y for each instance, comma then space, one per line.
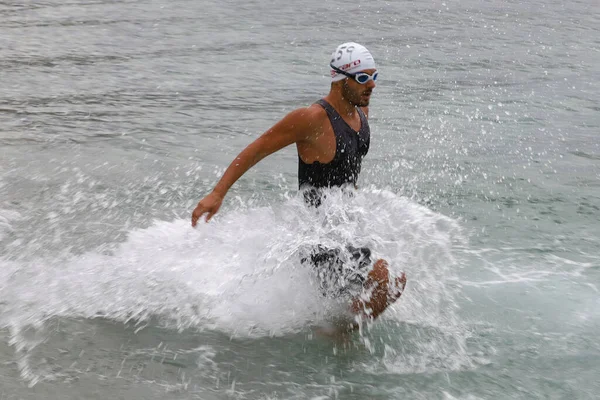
482, 184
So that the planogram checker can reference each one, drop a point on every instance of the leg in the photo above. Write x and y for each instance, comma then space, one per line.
383, 293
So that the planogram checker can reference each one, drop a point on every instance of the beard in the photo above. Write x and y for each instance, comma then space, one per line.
355, 97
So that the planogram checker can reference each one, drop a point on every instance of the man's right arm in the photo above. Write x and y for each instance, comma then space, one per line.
299, 125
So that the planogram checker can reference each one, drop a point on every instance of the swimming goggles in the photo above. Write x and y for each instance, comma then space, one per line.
359, 77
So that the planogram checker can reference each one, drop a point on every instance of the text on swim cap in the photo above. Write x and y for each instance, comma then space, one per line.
346, 67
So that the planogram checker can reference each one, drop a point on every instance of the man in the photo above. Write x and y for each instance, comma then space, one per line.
331, 136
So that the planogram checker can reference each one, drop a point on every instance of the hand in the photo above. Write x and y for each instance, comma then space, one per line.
208, 205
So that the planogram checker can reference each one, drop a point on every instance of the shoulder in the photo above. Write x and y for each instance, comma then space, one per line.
304, 118
311, 113
301, 123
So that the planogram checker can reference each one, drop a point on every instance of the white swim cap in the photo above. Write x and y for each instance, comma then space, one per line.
350, 57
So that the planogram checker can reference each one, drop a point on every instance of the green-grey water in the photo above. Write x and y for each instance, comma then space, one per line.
482, 183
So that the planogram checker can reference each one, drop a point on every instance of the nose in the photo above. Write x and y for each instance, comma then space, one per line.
371, 84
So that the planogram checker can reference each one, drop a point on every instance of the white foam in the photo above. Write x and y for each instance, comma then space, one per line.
241, 273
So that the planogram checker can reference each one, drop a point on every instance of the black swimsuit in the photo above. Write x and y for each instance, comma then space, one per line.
339, 274
351, 147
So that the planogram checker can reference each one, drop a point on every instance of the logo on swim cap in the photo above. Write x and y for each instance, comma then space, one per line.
351, 57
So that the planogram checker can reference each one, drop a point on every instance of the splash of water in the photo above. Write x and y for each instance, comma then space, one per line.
241, 273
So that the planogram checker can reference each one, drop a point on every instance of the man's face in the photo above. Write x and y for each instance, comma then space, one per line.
358, 94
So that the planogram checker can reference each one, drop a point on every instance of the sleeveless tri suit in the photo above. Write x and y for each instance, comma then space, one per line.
340, 271
351, 147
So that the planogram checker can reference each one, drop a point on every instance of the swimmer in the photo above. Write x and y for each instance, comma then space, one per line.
332, 136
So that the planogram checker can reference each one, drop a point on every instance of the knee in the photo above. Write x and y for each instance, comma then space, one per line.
380, 272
